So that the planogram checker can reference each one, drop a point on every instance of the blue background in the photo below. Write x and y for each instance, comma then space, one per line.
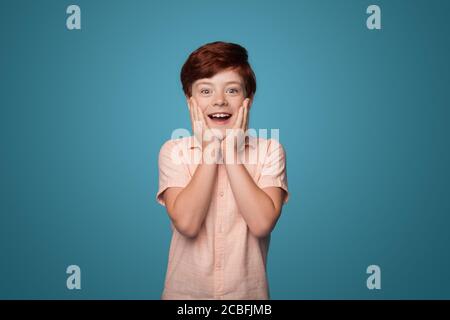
363, 116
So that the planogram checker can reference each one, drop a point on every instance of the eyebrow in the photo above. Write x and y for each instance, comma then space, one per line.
209, 82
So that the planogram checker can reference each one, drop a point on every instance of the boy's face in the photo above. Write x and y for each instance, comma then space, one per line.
220, 98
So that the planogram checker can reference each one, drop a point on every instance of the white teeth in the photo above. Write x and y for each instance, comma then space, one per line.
220, 115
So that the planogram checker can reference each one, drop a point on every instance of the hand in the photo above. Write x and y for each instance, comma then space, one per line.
203, 134
235, 137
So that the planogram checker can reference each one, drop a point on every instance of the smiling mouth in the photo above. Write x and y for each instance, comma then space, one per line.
220, 117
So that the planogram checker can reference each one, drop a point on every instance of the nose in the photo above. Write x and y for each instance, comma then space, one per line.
219, 100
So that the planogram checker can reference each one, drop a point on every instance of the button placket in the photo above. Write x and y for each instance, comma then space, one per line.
219, 237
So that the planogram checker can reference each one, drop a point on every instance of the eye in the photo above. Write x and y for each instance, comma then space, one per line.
233, 90
205, 91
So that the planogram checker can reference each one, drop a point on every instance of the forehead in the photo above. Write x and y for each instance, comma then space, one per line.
223, 77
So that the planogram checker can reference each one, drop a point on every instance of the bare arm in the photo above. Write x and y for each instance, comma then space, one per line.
260, 208
187, 207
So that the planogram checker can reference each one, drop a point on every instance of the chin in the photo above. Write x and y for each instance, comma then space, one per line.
221, 129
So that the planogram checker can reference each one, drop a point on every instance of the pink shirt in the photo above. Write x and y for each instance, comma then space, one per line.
224, 261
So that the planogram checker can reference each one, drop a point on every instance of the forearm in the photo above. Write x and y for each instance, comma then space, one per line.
256, 207
192, 203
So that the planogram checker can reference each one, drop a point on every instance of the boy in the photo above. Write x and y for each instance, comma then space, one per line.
223, 207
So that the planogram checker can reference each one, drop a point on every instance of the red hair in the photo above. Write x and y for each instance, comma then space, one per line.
213, 58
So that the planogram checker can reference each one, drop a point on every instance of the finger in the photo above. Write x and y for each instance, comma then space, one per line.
194, 109
191, 114
246, 102
196, 126
238, 122
201, 116
245, 117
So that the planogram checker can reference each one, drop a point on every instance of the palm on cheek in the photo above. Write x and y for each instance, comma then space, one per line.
235, 137
202, 132
197, 121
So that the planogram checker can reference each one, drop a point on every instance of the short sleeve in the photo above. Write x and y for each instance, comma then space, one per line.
173, 172
274, 172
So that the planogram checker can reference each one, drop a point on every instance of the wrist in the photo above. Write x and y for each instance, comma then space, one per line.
232, 154
211, 152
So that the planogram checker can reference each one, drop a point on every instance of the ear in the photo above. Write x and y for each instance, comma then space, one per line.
187, 100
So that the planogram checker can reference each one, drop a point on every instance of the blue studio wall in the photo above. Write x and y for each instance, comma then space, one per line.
363, 115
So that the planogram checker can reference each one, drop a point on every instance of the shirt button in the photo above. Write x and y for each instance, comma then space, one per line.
221, 193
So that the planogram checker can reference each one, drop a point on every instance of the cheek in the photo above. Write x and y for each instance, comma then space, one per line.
203, 103
203, 108
236, 102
